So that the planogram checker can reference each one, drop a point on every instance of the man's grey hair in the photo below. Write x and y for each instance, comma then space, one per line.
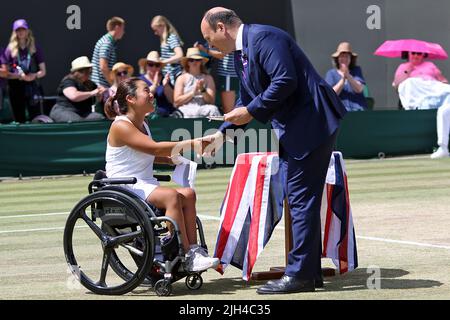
227, 17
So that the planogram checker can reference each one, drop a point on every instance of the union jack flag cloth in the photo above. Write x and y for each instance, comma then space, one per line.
338, 232
253, 206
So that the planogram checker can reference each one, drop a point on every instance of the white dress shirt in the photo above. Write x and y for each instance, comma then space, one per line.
239, 40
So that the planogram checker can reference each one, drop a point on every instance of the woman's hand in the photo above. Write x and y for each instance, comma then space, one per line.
166, 80
200, 86
28, 77
156, 79
345, 71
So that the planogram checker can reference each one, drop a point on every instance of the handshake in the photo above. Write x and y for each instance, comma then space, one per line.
208, 145
203, 147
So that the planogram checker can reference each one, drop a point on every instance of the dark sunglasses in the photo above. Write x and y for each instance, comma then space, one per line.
194, 60
123, 73
85, 70
417, 53
151, 65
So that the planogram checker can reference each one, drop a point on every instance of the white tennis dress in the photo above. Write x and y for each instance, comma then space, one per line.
125, 162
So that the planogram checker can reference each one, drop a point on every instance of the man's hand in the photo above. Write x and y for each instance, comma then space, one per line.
239, 116
200, 144
216, 143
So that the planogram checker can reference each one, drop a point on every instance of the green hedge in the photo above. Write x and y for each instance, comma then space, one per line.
74, 148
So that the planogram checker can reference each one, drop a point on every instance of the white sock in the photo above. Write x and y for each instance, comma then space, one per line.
193, 246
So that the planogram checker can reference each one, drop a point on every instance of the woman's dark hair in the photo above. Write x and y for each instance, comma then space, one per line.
405, 55
126, 88
351, 65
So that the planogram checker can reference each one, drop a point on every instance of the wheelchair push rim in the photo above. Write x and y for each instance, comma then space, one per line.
133, 235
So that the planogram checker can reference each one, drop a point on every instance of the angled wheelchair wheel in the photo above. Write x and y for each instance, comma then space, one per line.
120, 268
163, 288
194, 281
104, 229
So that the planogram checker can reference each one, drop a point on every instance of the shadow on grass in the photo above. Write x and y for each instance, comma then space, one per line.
353, 281
389, 279
221, 286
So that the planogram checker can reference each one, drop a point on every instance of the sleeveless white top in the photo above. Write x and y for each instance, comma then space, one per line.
125, 162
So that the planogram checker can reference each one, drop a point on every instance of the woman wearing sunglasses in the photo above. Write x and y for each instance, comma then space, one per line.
120, 72
151, 69
195, 90
421, 85
77, 95
417, 67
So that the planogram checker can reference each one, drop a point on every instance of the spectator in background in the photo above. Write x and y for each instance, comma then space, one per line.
347, 79
417, 67
77, 95
195, 91
25, 64
3, 77
171, 46
228, 80
421, 85
159, 85
105, 56
120, 72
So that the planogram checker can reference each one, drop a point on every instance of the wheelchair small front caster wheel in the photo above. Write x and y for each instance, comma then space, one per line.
163, 288
194, 281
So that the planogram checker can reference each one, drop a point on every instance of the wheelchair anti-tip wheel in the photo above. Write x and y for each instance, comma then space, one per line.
194, 281
109, 228
163, 288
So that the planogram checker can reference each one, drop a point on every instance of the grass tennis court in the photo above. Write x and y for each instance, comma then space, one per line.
401, 212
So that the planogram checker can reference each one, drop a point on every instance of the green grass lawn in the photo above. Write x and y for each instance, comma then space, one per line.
401, 213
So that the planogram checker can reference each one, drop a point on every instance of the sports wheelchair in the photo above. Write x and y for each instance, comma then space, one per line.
137, 242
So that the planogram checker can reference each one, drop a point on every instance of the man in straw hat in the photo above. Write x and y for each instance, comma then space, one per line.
280, 85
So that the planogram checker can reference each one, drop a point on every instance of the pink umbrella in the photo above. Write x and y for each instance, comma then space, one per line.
395, 48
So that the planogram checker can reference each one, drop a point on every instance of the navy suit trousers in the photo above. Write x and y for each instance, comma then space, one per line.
305, 183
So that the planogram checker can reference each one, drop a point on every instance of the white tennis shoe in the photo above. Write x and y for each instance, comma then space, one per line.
440, 153
198, 260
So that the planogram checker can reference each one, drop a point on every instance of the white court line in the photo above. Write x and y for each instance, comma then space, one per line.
35, 215
212, 218
39, 230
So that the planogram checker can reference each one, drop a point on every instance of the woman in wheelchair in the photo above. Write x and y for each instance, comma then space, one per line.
131, 152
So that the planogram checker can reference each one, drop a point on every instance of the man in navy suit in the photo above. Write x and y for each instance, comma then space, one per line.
279, 84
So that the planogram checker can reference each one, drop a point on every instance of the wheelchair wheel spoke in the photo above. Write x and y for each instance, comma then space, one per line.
98, 232
105, 264
126, 237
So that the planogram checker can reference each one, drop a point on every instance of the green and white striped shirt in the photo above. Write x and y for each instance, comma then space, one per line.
168, 51
105, 48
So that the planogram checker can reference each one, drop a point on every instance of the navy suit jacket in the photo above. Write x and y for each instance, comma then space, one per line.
281, 85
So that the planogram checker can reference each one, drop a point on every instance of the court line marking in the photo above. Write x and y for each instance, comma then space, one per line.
35, 215
211, 218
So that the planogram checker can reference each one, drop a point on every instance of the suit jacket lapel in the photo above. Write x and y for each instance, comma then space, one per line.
247, 82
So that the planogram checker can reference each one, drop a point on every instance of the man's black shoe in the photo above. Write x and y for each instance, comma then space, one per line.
287, 284
318, 283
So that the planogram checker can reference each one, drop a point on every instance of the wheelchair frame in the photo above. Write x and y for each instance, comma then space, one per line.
130, 212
